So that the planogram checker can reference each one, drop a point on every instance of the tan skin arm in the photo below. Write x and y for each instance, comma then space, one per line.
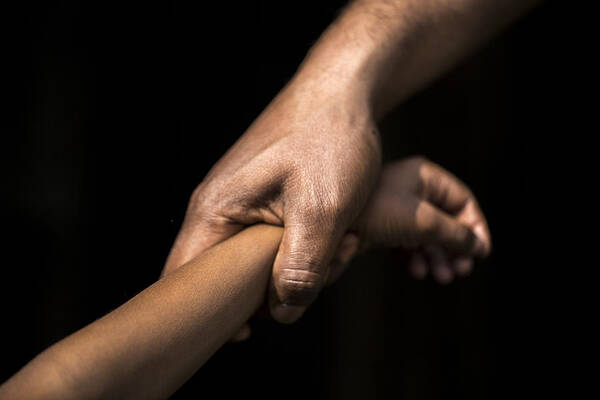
152, 344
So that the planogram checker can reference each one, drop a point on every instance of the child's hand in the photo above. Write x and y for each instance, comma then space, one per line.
420, 207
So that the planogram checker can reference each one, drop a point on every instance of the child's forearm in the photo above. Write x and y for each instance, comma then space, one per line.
153, 343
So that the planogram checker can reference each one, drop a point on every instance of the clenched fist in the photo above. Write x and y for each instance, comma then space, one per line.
421, 208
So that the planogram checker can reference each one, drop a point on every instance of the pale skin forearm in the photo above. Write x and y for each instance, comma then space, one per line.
386, 50
152, 344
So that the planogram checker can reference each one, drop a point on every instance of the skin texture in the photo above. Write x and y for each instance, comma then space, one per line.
151, 345
308, 162
287, 171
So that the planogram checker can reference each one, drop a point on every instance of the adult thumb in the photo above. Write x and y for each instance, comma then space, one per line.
301, 268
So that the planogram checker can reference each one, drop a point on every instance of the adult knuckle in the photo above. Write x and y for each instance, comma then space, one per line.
216, 203
196, 197
299, 286
201, 199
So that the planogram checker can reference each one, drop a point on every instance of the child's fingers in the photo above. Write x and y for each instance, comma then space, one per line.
473, 217
447, 192
441, 269
435, 227
418, 265
443, 266
462, 265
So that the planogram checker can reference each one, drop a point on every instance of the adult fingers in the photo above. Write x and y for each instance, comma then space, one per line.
197, 234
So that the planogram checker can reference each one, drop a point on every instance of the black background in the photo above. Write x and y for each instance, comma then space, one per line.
114, 112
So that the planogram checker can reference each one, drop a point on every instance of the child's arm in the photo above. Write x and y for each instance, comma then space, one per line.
152, 344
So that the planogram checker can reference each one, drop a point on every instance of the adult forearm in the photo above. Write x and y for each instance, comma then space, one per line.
386, 50
153, 343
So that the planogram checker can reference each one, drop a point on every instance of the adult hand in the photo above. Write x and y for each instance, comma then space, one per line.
310, 160
307, 163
